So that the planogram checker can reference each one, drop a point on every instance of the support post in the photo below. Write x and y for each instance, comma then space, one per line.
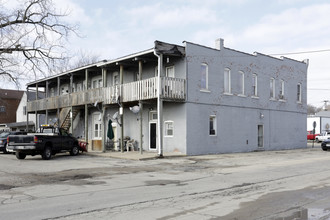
141, 111
71, 119
104, 136
27, 112
160, 107
86, 123
46, 116
121, 111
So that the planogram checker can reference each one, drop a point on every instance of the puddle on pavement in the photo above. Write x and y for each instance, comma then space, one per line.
317, 214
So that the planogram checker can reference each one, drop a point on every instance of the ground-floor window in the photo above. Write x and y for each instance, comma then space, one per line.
169, 128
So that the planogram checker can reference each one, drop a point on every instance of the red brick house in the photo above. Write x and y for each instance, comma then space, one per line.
9, 101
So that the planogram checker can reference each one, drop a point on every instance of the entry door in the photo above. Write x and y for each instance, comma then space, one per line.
152, 135
97, 133
260, 136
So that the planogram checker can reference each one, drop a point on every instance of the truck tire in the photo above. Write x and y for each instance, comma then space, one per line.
5, 149
75, 150
20, 155
47, 153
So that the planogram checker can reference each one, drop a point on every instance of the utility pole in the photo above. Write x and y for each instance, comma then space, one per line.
325, 105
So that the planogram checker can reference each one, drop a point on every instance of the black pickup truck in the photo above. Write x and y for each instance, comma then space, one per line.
46, 142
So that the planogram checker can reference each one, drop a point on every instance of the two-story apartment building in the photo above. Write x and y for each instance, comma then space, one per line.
190, 99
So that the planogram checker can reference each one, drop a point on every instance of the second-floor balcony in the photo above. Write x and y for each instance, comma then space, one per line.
171, 89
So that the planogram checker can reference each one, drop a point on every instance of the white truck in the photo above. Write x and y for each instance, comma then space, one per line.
322, 137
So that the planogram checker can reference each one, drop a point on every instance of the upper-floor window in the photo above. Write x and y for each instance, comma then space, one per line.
213, 125
169, 128
170, 71
24, 110
299, 92
2, 108
227, 81
281, 94
97, 83
272, 88
254, 84
204, 76
241, 82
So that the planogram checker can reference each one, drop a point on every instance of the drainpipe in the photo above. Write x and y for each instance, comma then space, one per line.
159, 106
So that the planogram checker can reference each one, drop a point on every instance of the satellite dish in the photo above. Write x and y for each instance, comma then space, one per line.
135, 109
115, 116
95, 104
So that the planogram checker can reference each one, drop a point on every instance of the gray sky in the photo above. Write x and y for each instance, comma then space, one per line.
114, 28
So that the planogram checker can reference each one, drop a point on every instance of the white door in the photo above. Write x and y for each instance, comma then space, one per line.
97, 133
260, 136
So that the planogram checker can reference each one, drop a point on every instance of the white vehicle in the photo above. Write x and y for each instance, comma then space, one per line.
322, 137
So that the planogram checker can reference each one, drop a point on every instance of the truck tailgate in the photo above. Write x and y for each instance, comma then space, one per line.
20, 139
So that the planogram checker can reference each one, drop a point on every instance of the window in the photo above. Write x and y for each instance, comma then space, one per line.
213, 125
241, 82
2, 109
272, 88
281, 95
254, 84
97, 83
170, 71
169, 131
24, 110
204, 76
299, 92
227, 81
153, 116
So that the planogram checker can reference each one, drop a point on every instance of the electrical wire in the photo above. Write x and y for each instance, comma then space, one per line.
302, 52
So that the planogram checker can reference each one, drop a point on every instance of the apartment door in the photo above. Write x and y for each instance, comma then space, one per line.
260, 136
152, 136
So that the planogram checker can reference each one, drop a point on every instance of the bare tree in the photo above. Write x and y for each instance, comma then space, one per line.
32, 40
78, 59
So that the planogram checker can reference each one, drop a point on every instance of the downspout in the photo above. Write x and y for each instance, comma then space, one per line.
159, 107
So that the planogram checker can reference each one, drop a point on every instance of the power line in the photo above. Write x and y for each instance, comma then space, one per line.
317, 89
302, 52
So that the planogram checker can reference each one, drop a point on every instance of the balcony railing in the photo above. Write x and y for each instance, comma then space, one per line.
171, 89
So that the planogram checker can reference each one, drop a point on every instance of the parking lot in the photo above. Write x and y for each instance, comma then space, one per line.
256, 185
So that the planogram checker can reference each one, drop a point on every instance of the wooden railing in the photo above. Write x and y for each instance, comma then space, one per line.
171, 89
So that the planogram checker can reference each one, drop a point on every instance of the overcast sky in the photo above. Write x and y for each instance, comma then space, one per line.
114, 28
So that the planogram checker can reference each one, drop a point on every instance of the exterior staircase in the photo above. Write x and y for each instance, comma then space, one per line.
65, 117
